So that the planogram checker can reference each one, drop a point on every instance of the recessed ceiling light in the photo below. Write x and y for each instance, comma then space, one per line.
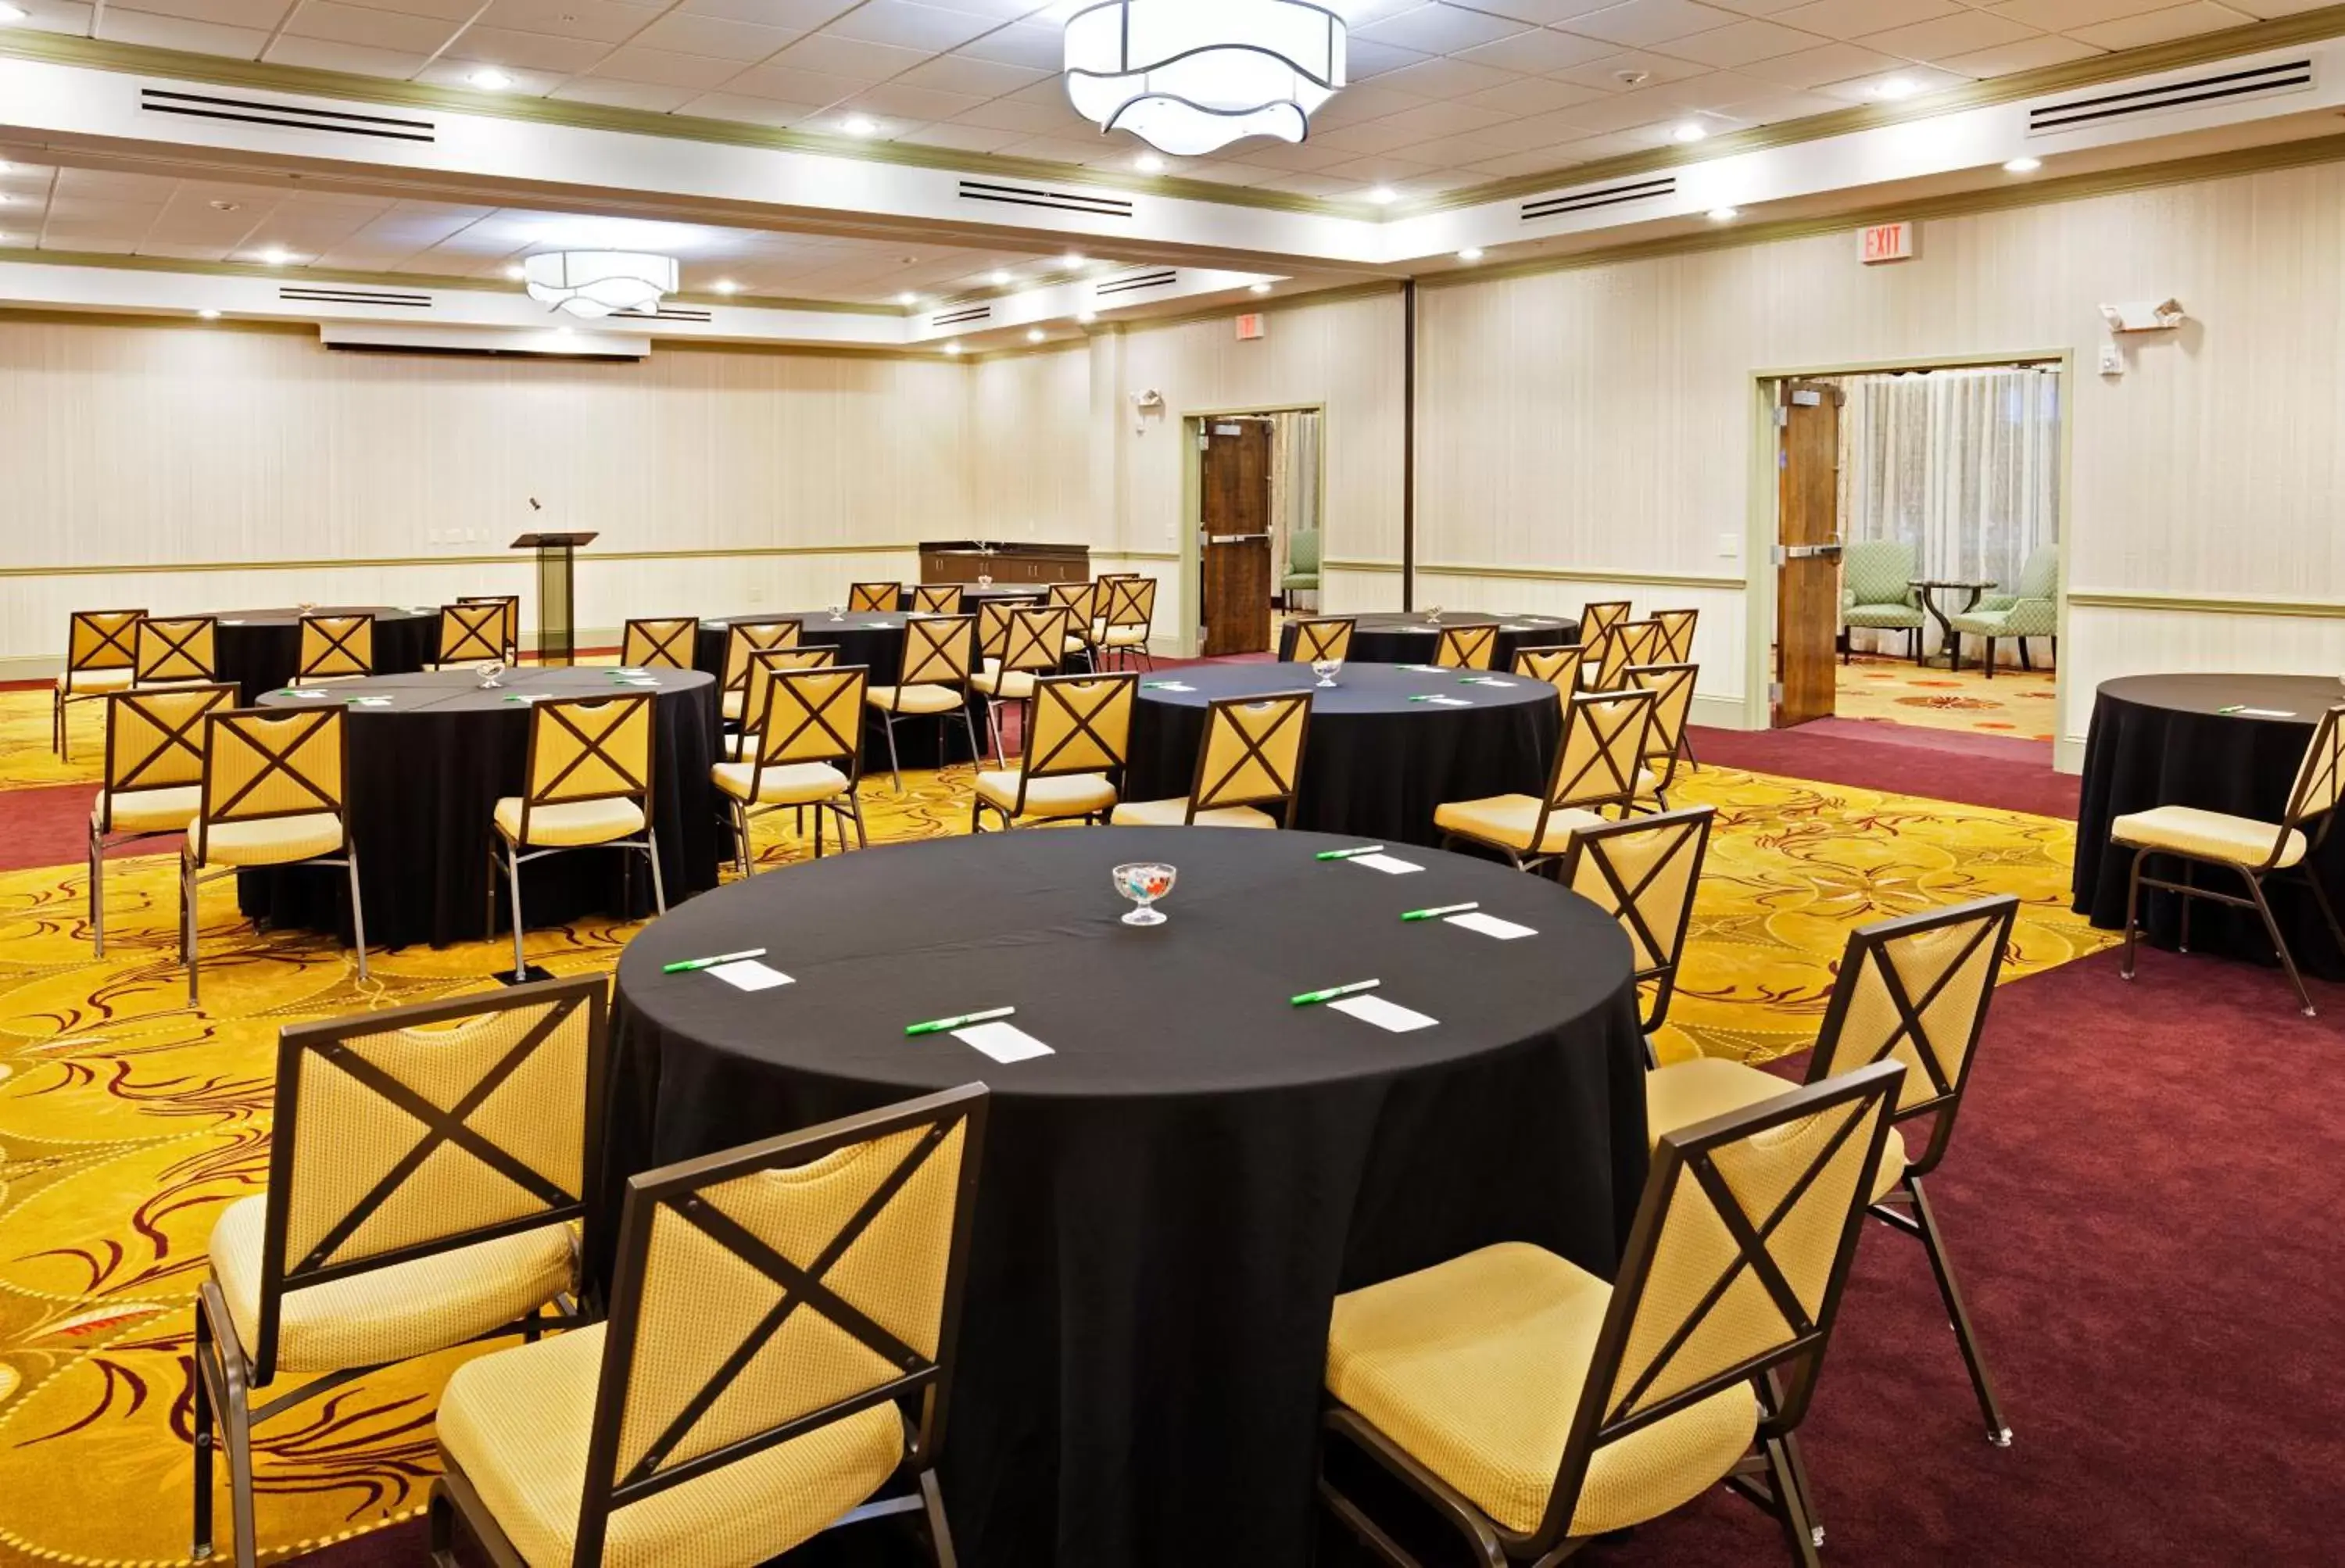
725, 286
1383, 195
516, 272
1725, 214
2022, 166
953, 347
1149, 163
1896, 88
1471, 253
1072, 259
861, 125
1257, 288
209, 315
489, 79
999, 276
1033, 334
562, 333
13, 14
1691, 131
274, 256
907, 298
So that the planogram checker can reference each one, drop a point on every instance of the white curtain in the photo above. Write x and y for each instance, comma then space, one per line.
1293, 481
1964, 465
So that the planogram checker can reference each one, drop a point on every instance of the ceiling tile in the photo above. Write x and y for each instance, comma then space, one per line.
646, 96
1526, 131
788, 16
1374, 136
962, 137
2158, 26
1961, 34
1439, 29
179, 33
911, 107
530, 51
2059, 15
909, 25
1298, 158
262, 13
448, 11
978, 78
1605, 74
1372, 102
317, 55
602, 21
2044, 50
1532, 96
1538, 160
856, 59
1854, 19
716, 37
1741, 42
738, 105
1444, 119
452, 71
667, 68
1815, 67
1862, 89
1038, 48
1444, 77
793, 87
1640, 23
1008, 114
1539, 52
1365, 58
391, 30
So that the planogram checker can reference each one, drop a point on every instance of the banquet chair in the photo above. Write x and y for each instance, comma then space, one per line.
101, 657
742, 744
272, 795
588, 785
154, 774
1595, 769
429, 1165
2032, 610
1672, 688
1467, 648
807, 751
936, 599
1677, 634
1877, 594
1625, 645
336, 647
1913, 990
1078, 733
665, 643
471, 634
1562, 665
776, 1361
1598, 618
1126, 618
1534, 1407
1645, 872
744, 641
508, 624
1082, 603
1323, 637
867, 597
2255, 850
1033, 648
177, 650
1251, 758
933, 684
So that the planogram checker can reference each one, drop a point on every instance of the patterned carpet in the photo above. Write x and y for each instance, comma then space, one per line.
127, 1122
2015, 702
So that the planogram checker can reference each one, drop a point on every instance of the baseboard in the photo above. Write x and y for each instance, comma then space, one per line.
1719, 712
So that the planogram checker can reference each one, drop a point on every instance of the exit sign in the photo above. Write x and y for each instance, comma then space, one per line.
1886, 242
1250, 326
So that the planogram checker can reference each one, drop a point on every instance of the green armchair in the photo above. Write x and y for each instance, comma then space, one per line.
1876, 592
1302, 567
2032, 612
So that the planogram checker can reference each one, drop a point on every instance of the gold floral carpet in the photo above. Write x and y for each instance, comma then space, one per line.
2020, 704
129, 1122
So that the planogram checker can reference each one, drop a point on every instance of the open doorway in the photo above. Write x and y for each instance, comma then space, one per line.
1915, 534
1259, 478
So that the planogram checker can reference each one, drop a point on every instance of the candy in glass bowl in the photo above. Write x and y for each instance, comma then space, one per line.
1143, 883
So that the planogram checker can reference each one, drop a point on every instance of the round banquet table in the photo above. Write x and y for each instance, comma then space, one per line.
973, 595
427, 768
1405, 636
2158, 741
1376, 763
874, 639
261, 650
1170, 1202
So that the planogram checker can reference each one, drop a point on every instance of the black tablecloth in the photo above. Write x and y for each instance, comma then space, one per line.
866, 637
1405, 636
261, 650
2157, 740
972, 594
1172, 1202
1376, 764
425, 776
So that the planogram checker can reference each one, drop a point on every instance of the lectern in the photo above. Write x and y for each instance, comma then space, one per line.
557, 567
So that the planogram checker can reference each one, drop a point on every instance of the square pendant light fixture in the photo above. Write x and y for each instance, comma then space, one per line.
1188, 77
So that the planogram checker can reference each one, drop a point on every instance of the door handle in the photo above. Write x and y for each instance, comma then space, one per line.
1233, 538
1809, 552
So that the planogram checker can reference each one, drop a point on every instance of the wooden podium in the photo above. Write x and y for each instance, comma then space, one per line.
557, 567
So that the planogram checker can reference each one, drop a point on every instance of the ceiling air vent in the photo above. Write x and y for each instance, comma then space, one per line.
669, 313
962, 317
1596, 196
1036, 196
284, 116
1135, 282
2222, 87
320, 294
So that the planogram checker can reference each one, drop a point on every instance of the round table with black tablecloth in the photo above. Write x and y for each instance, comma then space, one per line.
874, 639
427, 768
1376, 763
261, 650
2159, 740
1405, 636
1170, 1202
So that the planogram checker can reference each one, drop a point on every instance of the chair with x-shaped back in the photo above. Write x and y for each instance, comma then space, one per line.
1626, 646
1078, 735
1672, 688
1595, 771
1598, 618
1645, 873
940, 657
154, 774
1560, 665
1031, 649
101, 657
777, 1360
1126, 617
807, 749
742, 744
743, 640
426, 1169
661, 643
870, 598
177, 650
337, 646
1249, 765
472, 634
1323, 637
1082, 603
589, 786
1467, 648
937, 598
1677, 634
508, 626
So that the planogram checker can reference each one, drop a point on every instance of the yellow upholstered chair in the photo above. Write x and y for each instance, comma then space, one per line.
936, 599
588, 785
1251, 758
429, 1165
1081, 602
808, 750
1665, 742
336, 647
472, 634
1323, 637
154, 774
1595, 769
1467, 648
101, 656
1598, 618
743, 640
1534, 1407
272, 795
1033, 645
932, 684
2252, 850
1677, 634
868, 597
1913, 990
1078, 731
1626, 645
993, 632
764, 664
1560, 665
177, 650
1645, 873
508, 624
775, 1362
662, 643
1126, 617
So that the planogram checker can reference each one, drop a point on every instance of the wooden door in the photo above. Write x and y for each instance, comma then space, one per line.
1234, 535
1807, 574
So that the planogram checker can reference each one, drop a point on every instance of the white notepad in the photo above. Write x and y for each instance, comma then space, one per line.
291, 693
1490, 925
1448, 702
750, 975
1391, 865
1424, 669
1370, 1008
1171, 686
1517, 626
1003, 1042
1491, 680
369, 702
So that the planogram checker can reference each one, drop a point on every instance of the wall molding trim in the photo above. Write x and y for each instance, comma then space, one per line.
505, 558
1548, 574
2205, 604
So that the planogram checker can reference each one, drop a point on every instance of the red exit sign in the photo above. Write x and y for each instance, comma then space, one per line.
1250, 327
1886, 242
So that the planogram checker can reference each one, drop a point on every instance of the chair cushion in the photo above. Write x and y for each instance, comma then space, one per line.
1074, 646
1475, 1367
735, 701
391, 1313
1981, 623
151, 811
1684, 1092
1062, 795
1885, 617
1510, 820
1296, 580
2209, 835
81, 681
1127, 636
1016, 684
1173, 813
914, 699
517, 1423
786, 784
269, 840
572, 822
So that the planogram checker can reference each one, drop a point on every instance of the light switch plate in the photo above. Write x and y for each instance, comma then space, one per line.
2113, 363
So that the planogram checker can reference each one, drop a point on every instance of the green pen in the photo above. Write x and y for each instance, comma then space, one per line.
1437, 914
2235, 707
683, 966
1349, 854
1333, 991
938, 1025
